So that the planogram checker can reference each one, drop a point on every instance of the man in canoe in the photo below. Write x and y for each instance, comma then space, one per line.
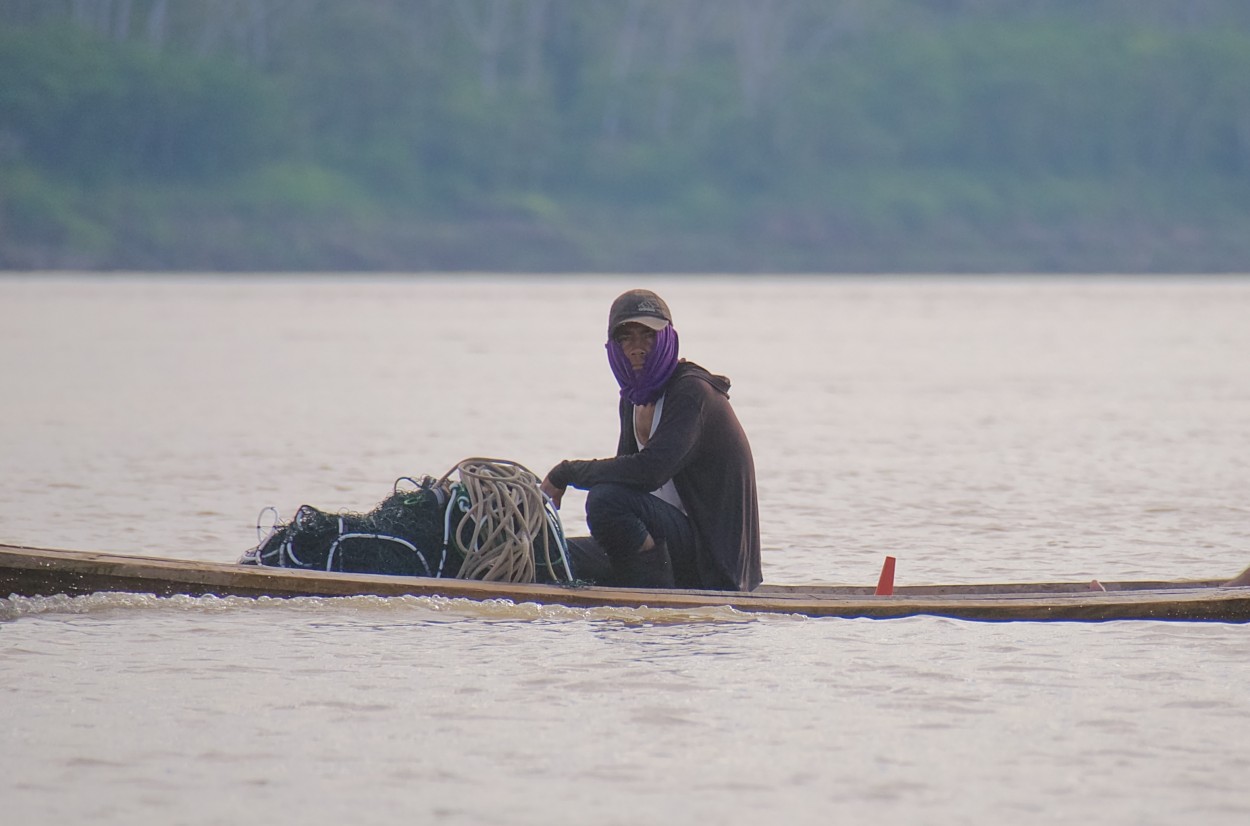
676, 507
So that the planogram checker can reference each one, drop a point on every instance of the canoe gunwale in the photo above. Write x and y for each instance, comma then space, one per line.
29, 571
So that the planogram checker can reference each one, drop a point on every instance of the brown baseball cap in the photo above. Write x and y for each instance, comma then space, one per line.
641, 307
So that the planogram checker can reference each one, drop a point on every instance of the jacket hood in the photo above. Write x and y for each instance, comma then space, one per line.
689, 368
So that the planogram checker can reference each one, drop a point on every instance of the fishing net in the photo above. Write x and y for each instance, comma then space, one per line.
492, 523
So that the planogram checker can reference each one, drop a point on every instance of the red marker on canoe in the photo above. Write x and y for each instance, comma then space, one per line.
885, 585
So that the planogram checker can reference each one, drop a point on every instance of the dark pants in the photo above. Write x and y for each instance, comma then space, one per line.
620, 519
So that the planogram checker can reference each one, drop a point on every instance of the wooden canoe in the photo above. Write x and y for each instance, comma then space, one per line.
26, 571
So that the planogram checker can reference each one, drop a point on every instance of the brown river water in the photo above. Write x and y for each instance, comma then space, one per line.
980, 430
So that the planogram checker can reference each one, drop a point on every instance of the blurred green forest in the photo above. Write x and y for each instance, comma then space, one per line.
626, 135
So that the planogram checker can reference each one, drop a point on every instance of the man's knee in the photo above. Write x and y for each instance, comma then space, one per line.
615, 516
606, 502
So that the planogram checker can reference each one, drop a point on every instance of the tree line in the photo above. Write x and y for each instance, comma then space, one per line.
625, 134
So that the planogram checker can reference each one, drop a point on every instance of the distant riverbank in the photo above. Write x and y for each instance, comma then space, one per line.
767, 243
561, 136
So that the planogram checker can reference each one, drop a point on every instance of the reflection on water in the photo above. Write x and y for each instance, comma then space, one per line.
1006, 430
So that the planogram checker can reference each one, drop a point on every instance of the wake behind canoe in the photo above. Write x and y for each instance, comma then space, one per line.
28, 571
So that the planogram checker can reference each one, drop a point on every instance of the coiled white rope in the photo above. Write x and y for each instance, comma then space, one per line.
508, 519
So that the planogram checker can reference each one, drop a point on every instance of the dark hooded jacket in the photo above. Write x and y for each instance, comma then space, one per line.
700, 445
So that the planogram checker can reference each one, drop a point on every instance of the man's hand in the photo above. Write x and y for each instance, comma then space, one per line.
555, 493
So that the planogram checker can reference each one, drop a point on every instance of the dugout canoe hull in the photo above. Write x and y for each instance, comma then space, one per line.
26, 571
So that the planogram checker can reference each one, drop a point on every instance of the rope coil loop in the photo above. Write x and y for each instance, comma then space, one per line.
505, 531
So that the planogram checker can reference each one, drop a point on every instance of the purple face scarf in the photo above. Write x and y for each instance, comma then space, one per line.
645, 386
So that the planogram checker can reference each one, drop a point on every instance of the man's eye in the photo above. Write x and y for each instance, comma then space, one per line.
637, 335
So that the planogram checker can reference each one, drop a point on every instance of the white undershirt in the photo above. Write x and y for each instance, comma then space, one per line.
666, 491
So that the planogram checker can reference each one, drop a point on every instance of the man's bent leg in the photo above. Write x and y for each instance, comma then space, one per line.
640, 534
